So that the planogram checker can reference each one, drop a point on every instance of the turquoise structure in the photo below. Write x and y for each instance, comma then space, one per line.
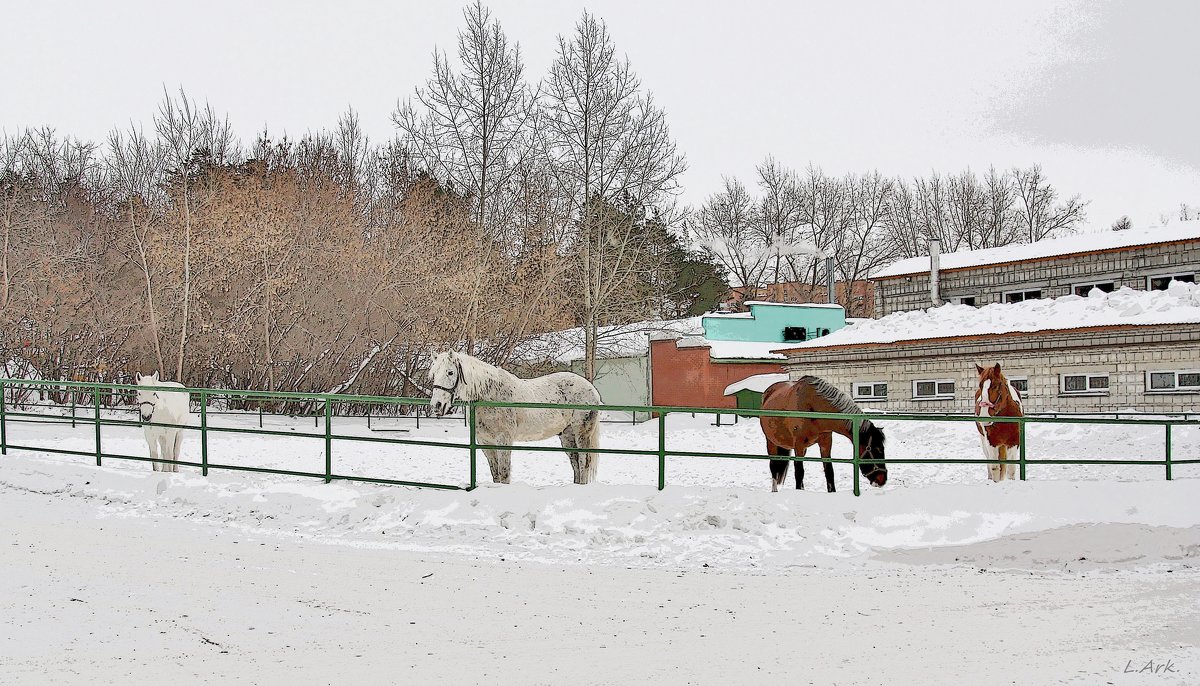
775, 323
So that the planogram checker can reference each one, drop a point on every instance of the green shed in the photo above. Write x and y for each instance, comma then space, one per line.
748, 392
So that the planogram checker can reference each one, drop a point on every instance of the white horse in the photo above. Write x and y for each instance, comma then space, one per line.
457, 376
163, 407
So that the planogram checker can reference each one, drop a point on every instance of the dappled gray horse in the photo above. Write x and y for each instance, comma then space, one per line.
458, 376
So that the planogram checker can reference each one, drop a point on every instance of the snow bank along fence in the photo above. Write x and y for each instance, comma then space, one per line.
473, 446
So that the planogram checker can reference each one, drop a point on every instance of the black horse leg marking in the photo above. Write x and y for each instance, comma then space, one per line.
825, 441
778, 467
800, 452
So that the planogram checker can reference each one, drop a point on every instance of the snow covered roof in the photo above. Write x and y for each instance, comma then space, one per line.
627, 340
733, 350
757, 383
1056, 247
1179, 304
743, 350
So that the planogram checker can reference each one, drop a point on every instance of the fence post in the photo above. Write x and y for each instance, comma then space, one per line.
96, 402
203, 433
1168, 460
662, 450
74, 399
259, 412
855, 425
1023, 444
473, 450
3, 422
328, 441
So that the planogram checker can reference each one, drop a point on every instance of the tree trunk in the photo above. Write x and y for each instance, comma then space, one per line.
158, 356
187, 279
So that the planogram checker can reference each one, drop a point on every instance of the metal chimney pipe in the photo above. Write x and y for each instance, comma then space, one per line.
935, 258
830, 295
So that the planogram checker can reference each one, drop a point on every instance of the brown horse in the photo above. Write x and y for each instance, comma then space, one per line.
810, 394
996, 397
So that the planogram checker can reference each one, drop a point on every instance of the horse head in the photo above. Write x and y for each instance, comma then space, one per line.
446, 378
870, 455
994, 393
147, 399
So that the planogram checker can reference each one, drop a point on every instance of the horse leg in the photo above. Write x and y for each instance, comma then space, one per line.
989, 453
1003, 468
800, 452
825, 443
570, 444
504, 462
167, 450
493, 464
778, 467
588, 437
152, 441
585, 435
178, 446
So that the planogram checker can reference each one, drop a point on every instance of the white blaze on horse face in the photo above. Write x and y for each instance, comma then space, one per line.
983, 401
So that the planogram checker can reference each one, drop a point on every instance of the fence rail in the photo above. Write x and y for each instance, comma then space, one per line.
326, 403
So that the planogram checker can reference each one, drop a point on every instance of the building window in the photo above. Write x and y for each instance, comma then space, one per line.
1162, 281
1083, 384
1085, 288
870, 390
933, 389
1173, 382
1021, 383
795, 333
964, 300
1022, 296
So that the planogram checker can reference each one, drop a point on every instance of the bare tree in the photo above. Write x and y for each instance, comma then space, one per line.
135, 166
1040, 213
470, 127
864, 246
726, 227
192, 137
780, 218
608, 146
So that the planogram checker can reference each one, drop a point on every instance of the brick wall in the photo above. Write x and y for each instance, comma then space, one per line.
1125, 353
1053, 276
686, 377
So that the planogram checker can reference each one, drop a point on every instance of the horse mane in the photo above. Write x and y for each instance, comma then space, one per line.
479, 377
836, 397
840, 401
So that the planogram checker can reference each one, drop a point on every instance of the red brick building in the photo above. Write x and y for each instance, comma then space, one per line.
687, 377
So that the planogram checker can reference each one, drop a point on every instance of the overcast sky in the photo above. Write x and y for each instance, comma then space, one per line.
1104, 96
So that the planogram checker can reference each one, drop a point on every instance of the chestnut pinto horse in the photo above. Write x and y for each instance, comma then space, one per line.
996, 397
810, 394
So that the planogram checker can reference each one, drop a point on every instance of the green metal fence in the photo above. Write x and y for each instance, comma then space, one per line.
327, 402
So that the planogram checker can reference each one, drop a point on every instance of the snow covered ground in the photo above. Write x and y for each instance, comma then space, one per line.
720, 509
1066, 577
